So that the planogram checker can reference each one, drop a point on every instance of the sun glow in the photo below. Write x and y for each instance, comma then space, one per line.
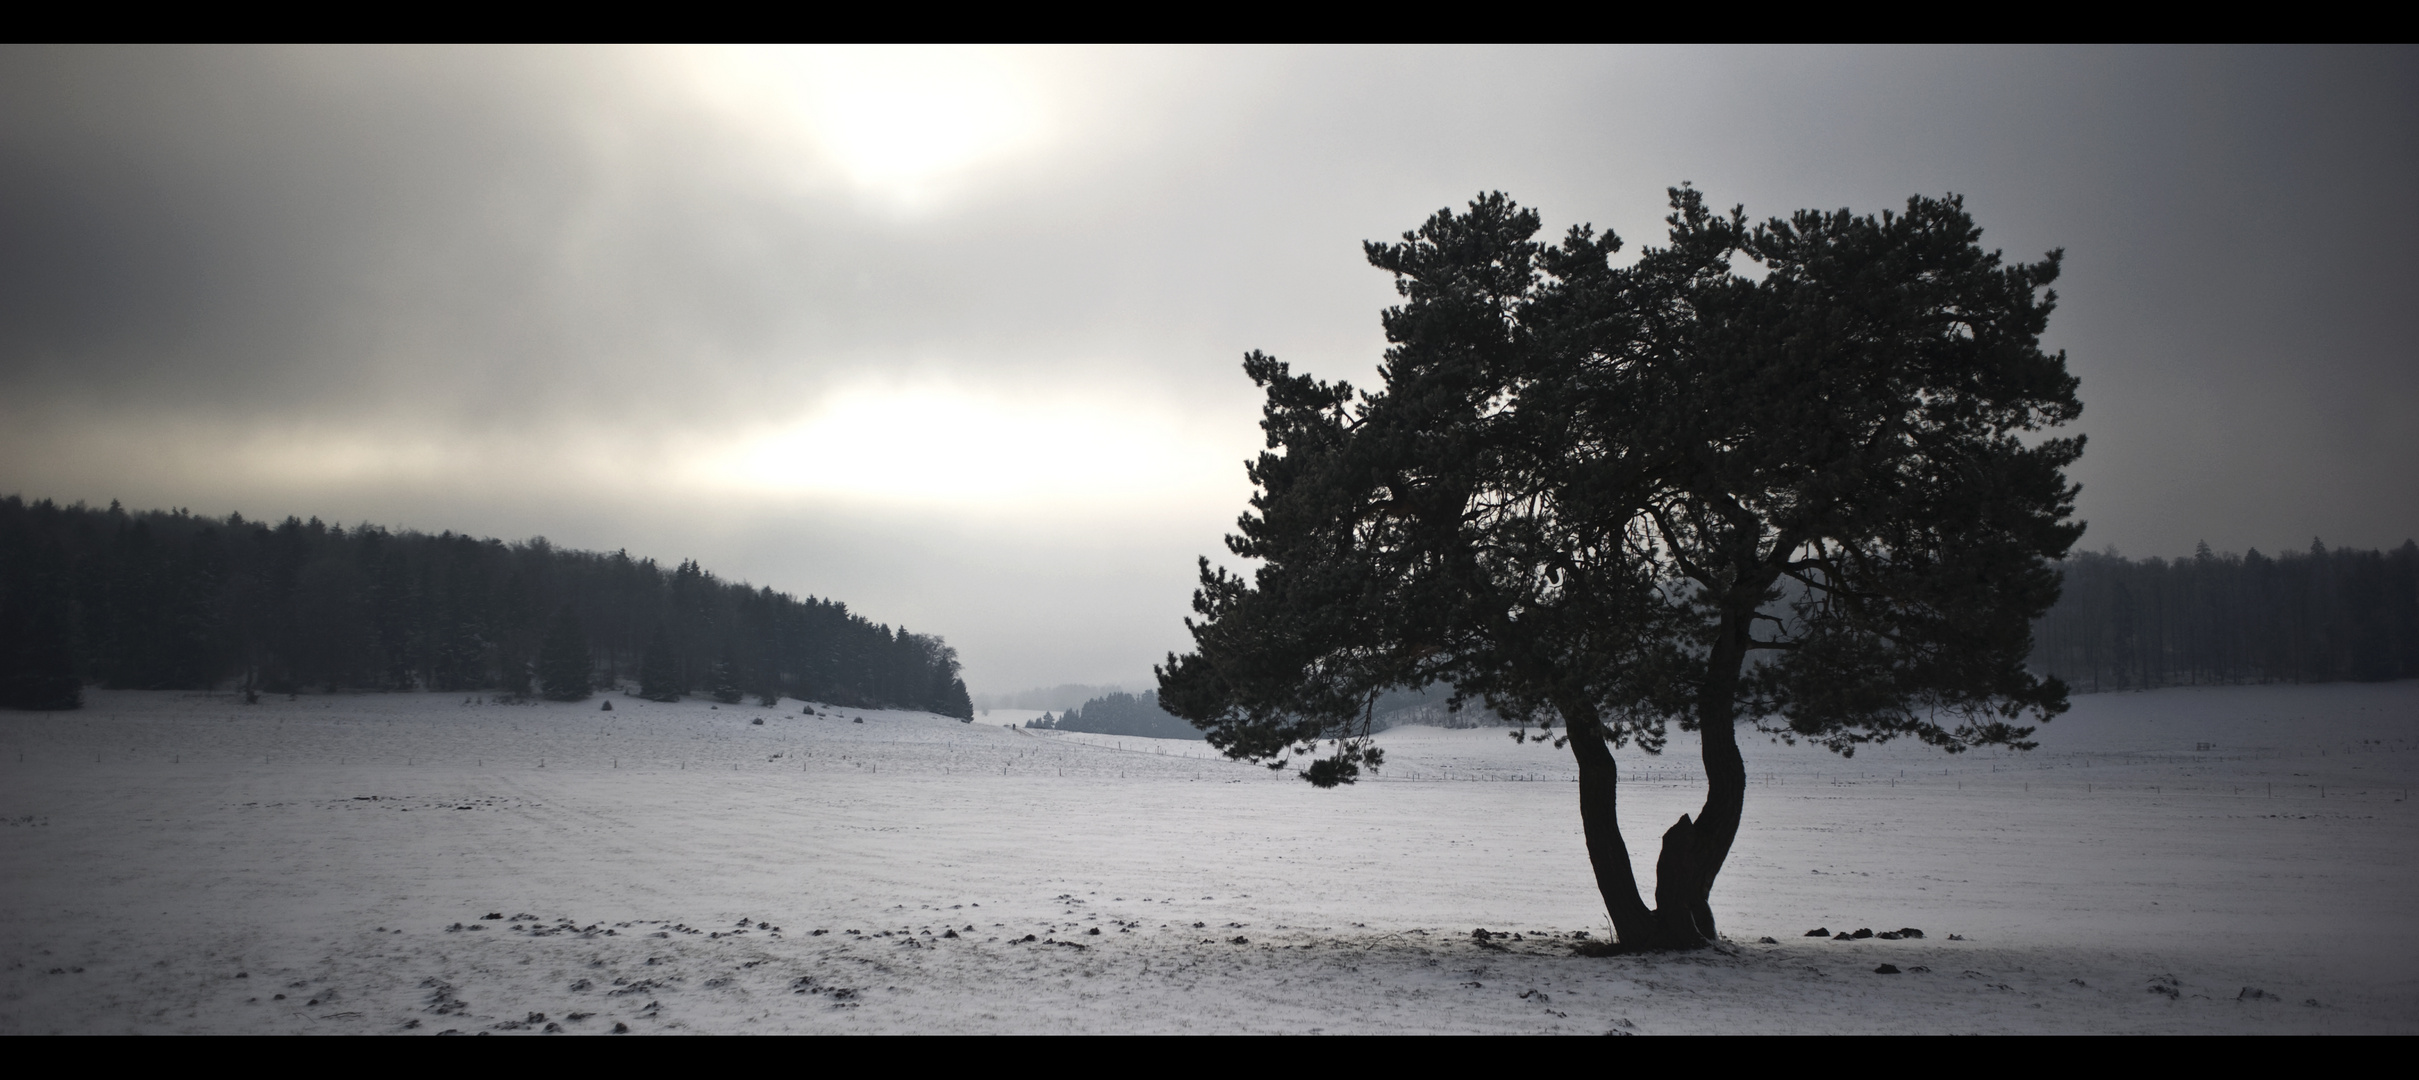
941, 445
896, 120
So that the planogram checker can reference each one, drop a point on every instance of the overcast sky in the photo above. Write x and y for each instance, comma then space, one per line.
954, 335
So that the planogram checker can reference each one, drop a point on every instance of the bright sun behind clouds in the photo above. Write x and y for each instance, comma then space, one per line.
895, 120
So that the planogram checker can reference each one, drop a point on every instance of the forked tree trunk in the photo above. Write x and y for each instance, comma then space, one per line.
1673, 923
1607, 853
1694, 850
1677, 896
1717, 824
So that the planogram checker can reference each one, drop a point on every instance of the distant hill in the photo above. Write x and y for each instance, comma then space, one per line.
1122, 714
174, 600
1064, 696
1429, 707
1119, 713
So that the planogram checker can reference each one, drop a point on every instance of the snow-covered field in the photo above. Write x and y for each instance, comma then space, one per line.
2225, 860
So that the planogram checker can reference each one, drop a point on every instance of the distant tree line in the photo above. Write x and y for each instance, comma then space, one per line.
173, 600
1430, 706
2316, 616
1062, 696
2323, 615
1121, 714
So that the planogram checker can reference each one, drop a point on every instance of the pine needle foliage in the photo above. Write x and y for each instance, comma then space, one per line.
1794, 474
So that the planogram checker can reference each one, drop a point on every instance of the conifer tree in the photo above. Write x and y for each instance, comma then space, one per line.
1589, 493
659, 668
515, 673
564, 664
726, 680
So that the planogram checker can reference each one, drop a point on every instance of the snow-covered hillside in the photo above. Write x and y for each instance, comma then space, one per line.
175, 862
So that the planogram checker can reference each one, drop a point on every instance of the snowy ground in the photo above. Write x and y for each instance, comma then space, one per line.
177, 862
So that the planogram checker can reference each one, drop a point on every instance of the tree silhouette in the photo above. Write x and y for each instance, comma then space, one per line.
1590, 494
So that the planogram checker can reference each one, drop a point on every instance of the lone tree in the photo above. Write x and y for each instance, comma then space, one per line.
565, 667
1607, 498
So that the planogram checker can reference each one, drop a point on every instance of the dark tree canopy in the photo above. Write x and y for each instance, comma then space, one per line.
1789, 472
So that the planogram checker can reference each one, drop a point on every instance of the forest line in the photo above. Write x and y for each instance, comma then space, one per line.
2320, 615
170, 600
